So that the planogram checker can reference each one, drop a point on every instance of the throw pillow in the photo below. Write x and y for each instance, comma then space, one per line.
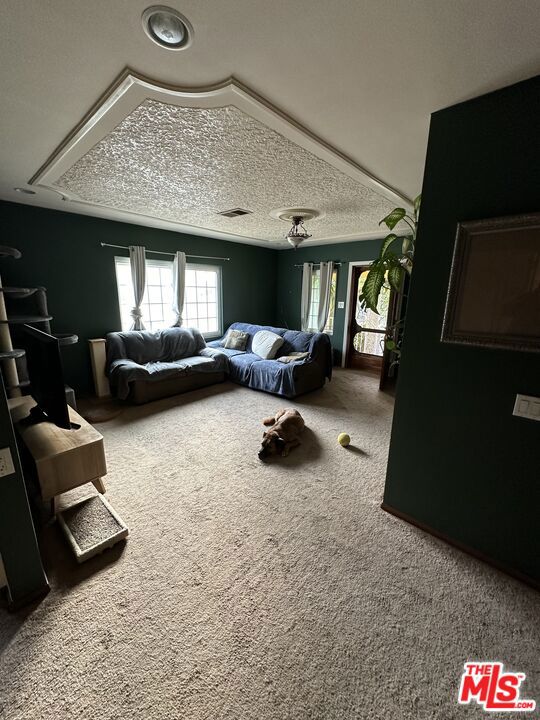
266, 344
293, 357
236, 340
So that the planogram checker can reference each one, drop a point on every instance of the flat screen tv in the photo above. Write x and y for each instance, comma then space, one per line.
46, 377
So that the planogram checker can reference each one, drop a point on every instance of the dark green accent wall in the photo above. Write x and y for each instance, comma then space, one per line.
459, 461
289, 281
62, 252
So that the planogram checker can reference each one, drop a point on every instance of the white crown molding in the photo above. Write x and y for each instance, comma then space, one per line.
124, 216
79, 208
129, 91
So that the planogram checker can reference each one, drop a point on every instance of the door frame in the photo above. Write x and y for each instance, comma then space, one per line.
355, 263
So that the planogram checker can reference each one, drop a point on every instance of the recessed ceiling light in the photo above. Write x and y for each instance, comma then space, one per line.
25, 191
167, 27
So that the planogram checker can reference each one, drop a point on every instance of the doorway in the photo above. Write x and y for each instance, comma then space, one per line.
366, 330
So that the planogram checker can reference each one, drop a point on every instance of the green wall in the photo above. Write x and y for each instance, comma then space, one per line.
459, 461
289, 282
62, 252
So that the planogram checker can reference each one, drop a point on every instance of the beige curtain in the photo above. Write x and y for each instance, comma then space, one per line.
325, 286
137, 261
179, 285
307, 275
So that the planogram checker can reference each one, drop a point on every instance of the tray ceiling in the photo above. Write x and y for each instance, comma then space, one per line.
181, 156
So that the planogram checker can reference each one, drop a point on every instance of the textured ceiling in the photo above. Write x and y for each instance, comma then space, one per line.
186, 164
363, 75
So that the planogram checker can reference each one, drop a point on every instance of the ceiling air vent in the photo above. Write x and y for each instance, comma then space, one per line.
235, 212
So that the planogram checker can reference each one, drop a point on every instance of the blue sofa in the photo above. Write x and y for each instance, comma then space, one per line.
144, 366
287, 379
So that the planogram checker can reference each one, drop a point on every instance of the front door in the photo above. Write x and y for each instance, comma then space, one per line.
366, 329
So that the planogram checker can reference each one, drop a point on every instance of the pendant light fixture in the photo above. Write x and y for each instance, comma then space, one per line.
297, 216
298, 233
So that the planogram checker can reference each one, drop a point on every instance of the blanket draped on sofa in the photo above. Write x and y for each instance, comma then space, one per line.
143, 355
287, 379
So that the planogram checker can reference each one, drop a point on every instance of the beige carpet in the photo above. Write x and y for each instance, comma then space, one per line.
260, 592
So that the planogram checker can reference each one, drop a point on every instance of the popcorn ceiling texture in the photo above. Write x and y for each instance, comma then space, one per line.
250, 591
187, 164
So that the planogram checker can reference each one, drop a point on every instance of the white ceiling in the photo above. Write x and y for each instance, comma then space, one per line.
363, 75
178, 158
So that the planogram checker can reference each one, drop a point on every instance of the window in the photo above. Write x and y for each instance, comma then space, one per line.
314, 307
202, 297
202, 300
370, 337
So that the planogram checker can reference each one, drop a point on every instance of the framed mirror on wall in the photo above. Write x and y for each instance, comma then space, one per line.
493, 296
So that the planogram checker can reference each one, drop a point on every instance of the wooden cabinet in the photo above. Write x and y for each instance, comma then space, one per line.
64, 459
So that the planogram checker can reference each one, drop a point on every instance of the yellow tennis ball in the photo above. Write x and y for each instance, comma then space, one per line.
344, 439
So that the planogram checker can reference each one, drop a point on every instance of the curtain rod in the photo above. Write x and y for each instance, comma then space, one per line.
159, 252
335, 263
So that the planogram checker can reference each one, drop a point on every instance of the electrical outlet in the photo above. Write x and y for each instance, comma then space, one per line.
527, 406
6, 462
341, 305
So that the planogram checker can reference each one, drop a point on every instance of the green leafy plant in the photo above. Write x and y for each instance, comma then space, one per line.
395, 258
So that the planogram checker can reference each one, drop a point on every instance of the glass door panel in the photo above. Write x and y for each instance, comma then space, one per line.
367, 328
